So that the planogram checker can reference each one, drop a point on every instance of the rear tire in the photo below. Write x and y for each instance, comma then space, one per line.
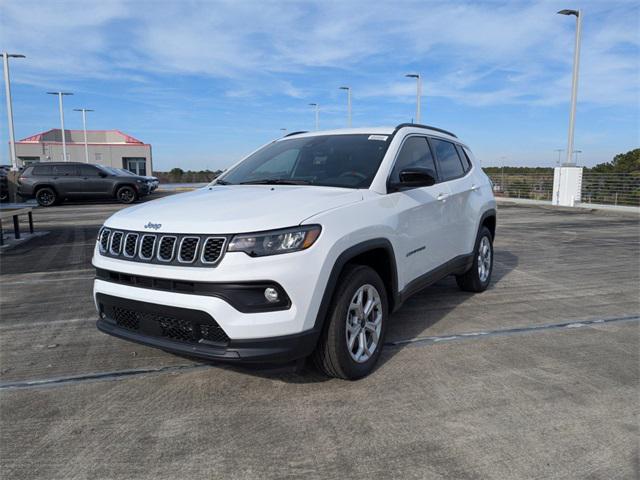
353, 335
478, 277
46, 197
126, 195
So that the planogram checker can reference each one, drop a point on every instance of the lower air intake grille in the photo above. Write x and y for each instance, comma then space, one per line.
170, 327
213, 333
177, 329
126, 318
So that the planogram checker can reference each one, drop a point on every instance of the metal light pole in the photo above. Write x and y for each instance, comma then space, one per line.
317, 109
559, 150
84, 128
64, 142
576, 152
348, 89
418, 92
574, 83
7, 88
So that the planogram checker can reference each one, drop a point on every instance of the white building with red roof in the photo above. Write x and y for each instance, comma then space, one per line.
112, 148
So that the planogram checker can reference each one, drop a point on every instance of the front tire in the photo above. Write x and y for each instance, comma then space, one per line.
126, 195
478, 277
353, 336
46, 197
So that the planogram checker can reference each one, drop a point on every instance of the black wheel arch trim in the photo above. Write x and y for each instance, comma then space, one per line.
343, 259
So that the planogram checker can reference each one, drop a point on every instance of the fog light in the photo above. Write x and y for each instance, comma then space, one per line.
271, 294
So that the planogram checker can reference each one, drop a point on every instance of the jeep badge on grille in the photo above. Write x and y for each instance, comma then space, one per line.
155, 226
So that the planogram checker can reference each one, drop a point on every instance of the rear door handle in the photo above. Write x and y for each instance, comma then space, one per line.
442, 197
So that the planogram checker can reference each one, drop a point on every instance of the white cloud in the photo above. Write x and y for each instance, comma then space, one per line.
471, 53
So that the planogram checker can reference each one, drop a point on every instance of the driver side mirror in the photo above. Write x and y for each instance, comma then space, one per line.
415, 177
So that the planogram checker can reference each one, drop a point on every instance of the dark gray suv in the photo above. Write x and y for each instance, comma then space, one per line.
51, 183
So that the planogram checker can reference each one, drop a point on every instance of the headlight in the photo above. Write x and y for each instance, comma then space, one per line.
275, 242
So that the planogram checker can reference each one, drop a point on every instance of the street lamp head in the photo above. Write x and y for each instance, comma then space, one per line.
569, 12
83, 110
345, 88
14, 55
412, 75
59, 93
313, 104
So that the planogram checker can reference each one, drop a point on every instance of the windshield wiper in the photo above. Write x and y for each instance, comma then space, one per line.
276, 181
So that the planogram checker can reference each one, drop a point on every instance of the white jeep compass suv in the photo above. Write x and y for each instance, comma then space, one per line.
303, 248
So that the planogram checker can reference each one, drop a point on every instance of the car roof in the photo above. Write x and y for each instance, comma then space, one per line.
417, 128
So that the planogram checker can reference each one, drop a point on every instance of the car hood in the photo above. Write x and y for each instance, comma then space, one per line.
233, 209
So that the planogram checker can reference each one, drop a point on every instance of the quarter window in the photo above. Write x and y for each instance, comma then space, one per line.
466, 162
415, 152
43, 170
449, 163
88, 171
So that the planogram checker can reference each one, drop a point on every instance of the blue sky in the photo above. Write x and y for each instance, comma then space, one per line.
207, 82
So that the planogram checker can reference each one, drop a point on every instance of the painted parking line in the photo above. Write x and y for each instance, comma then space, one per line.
509, 331
123, 374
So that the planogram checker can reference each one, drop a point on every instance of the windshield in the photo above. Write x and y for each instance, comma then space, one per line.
349, 161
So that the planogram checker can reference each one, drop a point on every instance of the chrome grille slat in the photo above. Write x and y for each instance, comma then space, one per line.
188, 250
116, 243
147, 245
212, 250
104, 240
166, 248
130, 244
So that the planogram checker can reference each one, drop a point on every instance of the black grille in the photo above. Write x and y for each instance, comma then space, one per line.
166, 248
130, 243
116, 243
177, 329
104, 239
169, 327
126, 318
213, 333
188, 249
212, 249
146, 247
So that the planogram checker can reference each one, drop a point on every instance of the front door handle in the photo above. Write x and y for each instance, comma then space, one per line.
442, 197
474, 188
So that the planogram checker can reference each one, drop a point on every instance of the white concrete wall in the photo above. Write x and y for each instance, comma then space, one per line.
111, 155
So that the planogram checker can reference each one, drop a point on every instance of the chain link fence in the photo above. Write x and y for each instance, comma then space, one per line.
611, 188
534, 186
597, 188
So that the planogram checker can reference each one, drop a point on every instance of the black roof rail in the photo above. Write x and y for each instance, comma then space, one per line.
417, 125
295, 133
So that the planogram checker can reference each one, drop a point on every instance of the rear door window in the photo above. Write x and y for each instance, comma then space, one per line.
449, 163
415, 152
64, 170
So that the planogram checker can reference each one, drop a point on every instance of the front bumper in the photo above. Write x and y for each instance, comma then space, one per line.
194, 333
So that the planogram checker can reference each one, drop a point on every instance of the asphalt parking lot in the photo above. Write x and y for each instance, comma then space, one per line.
538, 377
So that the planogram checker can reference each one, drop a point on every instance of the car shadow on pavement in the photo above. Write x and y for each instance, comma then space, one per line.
414, 319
